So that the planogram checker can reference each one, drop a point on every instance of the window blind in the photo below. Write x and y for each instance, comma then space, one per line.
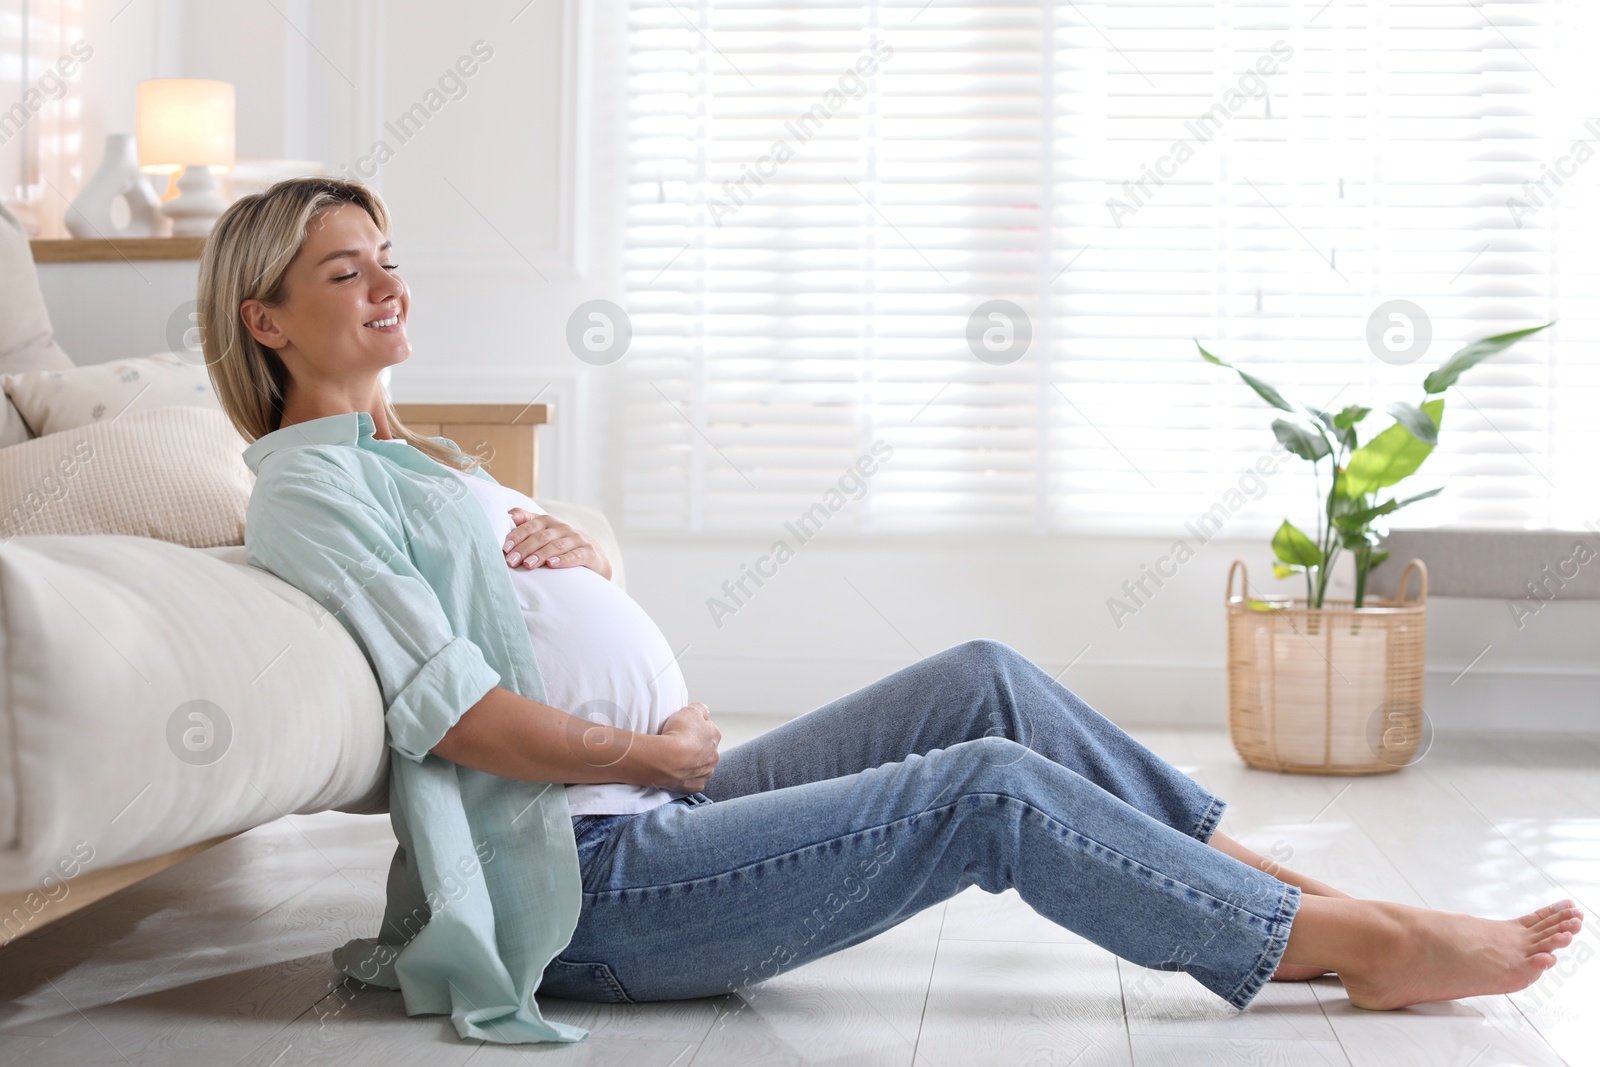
825, 203
41, 119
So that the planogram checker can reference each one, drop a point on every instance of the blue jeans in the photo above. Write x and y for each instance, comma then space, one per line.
971, 767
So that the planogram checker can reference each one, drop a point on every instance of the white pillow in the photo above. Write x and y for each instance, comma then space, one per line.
112, 645
55, 400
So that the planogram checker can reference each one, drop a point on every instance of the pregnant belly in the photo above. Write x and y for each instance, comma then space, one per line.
601, 656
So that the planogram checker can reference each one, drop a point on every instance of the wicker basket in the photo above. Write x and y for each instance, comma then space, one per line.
1330, 690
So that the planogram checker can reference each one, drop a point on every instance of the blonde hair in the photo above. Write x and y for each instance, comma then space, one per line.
246, 257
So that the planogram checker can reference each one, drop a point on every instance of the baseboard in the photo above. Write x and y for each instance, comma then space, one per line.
1183, 695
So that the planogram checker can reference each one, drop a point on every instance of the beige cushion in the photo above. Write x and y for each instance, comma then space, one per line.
175, 474
63, 399
26, 340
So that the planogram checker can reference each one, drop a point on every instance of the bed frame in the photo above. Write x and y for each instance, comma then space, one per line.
19, 920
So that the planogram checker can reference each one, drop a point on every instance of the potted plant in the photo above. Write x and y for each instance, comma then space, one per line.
1332, 686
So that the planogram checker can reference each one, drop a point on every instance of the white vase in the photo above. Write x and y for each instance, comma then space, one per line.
96, 211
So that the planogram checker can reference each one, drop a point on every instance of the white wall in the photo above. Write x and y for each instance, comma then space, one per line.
844, 612
535, 152
504, 200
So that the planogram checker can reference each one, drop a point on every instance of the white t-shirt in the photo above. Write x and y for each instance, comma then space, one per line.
602, 658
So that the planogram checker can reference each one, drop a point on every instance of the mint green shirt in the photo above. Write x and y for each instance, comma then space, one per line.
484, 889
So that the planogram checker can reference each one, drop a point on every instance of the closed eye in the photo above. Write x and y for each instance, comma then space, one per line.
352, 274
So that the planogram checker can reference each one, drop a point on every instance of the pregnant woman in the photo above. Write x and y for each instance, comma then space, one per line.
565, 823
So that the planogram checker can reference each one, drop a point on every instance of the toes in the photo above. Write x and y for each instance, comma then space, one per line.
1551, 942
1568, 919
1547, 922
1571, 926
1533, 918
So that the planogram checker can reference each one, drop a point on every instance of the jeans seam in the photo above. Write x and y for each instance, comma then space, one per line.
1208, 822
1288, 906
761, 862
865, 830
606, 975
611, 980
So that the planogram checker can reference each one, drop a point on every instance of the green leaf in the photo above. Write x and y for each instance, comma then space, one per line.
1377, 558
1416, 420
1281, 572
1345, 434
1473, 354
1345, 509
1350, 416
1356, 518
1419, 496
1390, 457
1357, 538
1303, 442
1292, 546
1263, 390
1262, 605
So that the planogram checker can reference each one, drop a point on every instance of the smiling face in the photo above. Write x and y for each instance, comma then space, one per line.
343, 316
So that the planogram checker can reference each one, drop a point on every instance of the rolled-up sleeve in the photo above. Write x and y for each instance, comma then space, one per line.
346, 554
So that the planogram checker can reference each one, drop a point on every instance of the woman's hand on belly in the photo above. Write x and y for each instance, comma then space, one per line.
507, 734
687, 765
546, 541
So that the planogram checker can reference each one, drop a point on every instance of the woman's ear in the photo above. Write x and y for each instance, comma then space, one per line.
258, 320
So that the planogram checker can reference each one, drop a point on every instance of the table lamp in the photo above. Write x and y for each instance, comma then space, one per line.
186, 124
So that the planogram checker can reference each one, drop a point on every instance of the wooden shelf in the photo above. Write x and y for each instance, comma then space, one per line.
116, 250
508, 432
492, 414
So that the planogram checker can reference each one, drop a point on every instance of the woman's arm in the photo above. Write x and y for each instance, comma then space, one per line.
507, 734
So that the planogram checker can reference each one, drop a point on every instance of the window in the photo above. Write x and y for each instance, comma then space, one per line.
824, 200
41, 121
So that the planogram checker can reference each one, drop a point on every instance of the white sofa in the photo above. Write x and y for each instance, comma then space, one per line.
155, 695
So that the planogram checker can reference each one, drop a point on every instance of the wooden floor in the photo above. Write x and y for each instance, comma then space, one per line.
224, 958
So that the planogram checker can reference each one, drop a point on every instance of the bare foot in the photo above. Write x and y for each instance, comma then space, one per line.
1435, 955
1301, 972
